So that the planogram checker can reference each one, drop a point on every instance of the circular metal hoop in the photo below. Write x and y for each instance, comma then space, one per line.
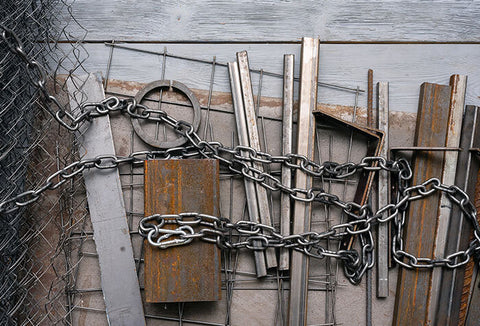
180, 88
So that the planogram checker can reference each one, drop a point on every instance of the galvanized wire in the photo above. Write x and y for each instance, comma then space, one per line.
34, 255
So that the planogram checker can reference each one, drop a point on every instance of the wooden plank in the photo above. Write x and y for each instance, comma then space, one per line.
458, 85
405, 65
264, 20
184, 273
107, 211
302, 211
412, 297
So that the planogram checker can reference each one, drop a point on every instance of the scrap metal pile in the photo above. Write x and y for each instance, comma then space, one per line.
420, 219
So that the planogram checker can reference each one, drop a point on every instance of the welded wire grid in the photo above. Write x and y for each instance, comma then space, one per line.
49, 270
239, 283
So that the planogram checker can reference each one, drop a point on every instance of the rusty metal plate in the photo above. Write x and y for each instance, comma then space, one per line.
185, 273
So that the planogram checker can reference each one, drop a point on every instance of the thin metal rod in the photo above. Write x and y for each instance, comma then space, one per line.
254, 142
383, 194
210, 91
157, 125
253, 213
109, 65
302, 211
287, 142
424, 149
267, 73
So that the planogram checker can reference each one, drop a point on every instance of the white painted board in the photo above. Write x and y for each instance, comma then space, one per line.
270, 20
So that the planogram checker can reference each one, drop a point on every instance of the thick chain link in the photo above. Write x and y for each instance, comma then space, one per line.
238, 160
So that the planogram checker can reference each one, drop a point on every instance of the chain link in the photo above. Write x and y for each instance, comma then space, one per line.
239, 159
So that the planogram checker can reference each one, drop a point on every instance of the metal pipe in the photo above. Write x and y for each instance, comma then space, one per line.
302, 211
260, 266
287, 140
254, 142
383, 192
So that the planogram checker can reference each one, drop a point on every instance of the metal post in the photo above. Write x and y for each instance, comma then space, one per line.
254, 141
302, 211
253, 214
383, 192
287, 139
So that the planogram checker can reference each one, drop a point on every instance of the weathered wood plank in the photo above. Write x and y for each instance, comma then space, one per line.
412, 297
107, 211
405, 66
185, 273
267, 20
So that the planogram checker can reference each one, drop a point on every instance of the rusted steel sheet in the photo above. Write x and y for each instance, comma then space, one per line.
413, 286
184, 273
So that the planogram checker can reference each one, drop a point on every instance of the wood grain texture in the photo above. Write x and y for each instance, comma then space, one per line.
405, 66
268, 20
412, 298
185, 273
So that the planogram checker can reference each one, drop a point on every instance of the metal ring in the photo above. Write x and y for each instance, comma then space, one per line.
181, 88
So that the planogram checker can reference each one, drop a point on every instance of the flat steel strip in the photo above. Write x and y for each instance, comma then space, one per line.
383, 192
287, 142
120, 286
250, 192
302, 211
254, 141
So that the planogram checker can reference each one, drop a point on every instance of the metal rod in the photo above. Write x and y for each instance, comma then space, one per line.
457, 103
287, 141
267, 73
425, 149
369, 281
383, 191
302, 211
261, 268
210, 91
254, 142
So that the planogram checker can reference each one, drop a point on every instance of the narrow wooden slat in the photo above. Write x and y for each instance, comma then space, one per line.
107, 211
411, 304
190, 272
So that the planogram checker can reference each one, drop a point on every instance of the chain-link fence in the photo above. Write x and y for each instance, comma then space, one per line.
34, 266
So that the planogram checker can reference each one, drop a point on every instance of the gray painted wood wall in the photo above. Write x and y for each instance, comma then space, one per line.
404, 42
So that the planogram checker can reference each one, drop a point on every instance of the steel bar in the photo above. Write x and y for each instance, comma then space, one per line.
254, 142
453, 280
413, 286
302, 211
383, 192
458, 85
250, 193
425, 149
107, 212
287, 141
184, 273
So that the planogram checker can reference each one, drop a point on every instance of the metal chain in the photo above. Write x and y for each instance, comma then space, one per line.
238, 160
